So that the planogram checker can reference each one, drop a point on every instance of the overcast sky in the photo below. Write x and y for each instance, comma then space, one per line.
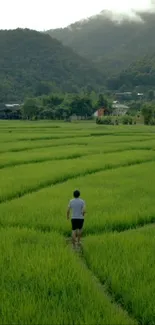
47, 14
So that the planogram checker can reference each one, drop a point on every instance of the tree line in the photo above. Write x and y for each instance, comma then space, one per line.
58, 107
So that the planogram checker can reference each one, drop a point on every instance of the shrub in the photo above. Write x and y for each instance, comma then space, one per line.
127, 120
117, 122
152, 121
105, 120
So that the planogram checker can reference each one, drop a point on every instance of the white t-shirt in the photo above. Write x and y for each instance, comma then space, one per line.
77, 206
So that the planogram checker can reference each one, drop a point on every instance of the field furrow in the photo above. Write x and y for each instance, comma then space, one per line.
42, 282
19, 180
125, 264
17, 146
58, 152
118, 199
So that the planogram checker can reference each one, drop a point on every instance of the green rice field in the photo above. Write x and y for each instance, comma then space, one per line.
111, 279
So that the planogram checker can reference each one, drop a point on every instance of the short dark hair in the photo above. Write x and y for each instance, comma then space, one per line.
76, 194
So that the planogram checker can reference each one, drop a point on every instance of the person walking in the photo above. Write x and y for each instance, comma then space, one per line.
77, 205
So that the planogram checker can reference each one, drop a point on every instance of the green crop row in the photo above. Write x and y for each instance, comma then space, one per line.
116, 199
33, 125
69, 151
18, 180
52, 134
125, 263
41, 136
44, 154
43, 282
16, 146
28, 145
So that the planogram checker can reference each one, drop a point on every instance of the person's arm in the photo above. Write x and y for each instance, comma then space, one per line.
84, 210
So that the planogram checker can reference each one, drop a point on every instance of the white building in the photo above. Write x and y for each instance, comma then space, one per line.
119, 109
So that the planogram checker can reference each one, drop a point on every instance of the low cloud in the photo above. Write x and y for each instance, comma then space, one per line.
131, 15
120, 17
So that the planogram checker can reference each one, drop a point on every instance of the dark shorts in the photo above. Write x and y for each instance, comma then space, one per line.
77, 224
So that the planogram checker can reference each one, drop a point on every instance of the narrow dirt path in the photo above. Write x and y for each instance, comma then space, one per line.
101, 287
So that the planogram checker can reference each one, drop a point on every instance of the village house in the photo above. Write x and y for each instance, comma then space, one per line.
100, 112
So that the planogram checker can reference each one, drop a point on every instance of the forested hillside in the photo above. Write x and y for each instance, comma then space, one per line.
140, 73
111, 42
32, 64
104, 53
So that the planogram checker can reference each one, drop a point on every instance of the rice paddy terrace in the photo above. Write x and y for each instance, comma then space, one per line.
43, 280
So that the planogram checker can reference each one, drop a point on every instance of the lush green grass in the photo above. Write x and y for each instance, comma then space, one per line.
100, 141
18, 180
45, 124
44, 154
70, 150
29, 136
125, 263
116, 199
28, 145
11, 135
43, 282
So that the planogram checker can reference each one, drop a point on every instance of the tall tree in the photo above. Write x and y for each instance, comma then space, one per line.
30, 109
148, 112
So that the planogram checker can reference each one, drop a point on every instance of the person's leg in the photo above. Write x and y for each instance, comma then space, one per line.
74, 232
74, 237
79, 236
80, 230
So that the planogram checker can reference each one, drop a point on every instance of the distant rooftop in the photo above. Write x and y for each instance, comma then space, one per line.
12, 105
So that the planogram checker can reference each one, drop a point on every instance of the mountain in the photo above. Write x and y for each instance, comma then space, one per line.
33, 63
140, 74
113, 42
